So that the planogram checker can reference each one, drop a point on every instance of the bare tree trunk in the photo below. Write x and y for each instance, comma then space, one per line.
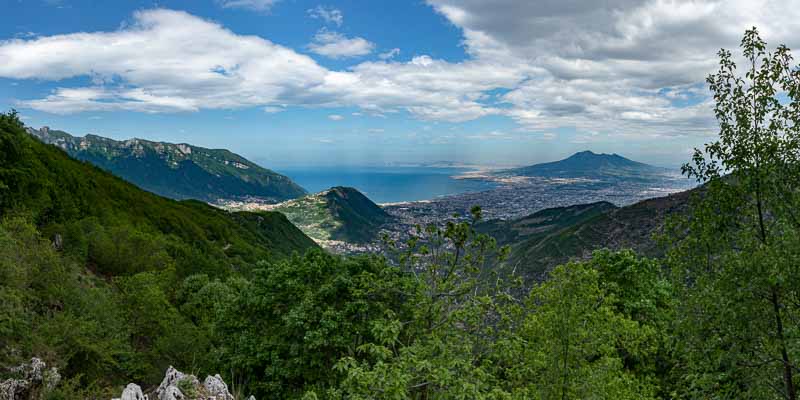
788, 381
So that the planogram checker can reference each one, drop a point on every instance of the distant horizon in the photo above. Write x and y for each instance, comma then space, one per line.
265, 163
336, 82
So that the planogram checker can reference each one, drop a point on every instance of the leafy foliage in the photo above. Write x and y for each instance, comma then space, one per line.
287, 327
736, 270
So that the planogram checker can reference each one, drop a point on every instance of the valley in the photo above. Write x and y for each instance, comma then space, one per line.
343, 220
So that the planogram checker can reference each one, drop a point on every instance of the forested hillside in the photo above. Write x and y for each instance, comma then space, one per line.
114, 224
339, 213
550, 237
178, 171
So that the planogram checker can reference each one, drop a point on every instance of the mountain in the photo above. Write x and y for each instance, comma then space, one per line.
178, 171
540, 224
554, 236
589, 165
339, 213
117, 228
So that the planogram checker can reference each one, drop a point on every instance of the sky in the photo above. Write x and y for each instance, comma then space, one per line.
310, 83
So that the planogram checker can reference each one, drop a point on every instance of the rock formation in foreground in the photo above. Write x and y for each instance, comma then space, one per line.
30, 381
179, 386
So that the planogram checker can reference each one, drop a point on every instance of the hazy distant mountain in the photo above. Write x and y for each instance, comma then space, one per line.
553, 236
339, 213
179, 171
587, 164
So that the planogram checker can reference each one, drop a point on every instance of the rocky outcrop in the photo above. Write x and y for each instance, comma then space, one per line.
179, 386
133, 392
215, 386
32, 380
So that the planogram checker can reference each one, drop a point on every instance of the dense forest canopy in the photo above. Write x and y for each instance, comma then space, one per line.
112, 284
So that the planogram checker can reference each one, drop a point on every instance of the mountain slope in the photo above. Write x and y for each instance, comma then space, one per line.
339, 213
539, 224
576, 231
178, 171
117, 228
589, 165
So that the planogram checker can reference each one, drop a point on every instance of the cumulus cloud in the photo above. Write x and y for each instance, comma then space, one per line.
335, 45
256, 5
171, 61
616, 65
328, 14
162, 61
335, 117
622, 68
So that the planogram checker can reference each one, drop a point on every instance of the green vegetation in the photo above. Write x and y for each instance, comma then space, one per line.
118, 228
178, 171
90, 264
551, 237
446, 318
339, 213
737, 269
525, 235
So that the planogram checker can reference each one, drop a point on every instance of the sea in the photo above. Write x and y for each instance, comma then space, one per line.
388, 184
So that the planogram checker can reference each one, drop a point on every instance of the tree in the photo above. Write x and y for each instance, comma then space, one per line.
291, 324
587, 332
459, 307
735, 258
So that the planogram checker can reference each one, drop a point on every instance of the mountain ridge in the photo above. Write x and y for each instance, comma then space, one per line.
575, 237
119, 228
591, 165
338, 214
176, 170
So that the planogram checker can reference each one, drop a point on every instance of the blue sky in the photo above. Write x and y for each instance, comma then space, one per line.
290, 82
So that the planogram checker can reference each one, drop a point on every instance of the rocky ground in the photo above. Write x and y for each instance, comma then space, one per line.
34, 381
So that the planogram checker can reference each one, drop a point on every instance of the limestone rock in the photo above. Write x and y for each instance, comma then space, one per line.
132, 392
33, 380
179, 386
216, 387
169, 390
172, 393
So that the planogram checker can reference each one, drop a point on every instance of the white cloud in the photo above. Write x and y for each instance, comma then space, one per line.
335, 117
328, 14
389, 54
256, 5
273, 109
161, 62
625, 68
615, 65
493, 135
335, 45
517, 136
